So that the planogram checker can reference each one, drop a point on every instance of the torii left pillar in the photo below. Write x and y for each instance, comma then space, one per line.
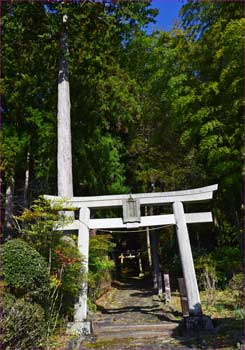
80, 324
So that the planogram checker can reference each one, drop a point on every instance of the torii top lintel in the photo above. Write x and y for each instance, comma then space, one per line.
153, 198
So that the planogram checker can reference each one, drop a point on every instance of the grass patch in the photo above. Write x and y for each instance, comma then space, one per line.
224, 305
104, 344
226, 314
57, 341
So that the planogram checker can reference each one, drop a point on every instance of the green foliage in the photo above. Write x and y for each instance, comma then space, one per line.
239, 313
198, 17
236, 285
67, 275
23, 324
214, 120
228, 259
219, 265
29, 113
190, 132
68, 254
207, 277
165, 108
40, 226
25, 271
104, 98
100, 266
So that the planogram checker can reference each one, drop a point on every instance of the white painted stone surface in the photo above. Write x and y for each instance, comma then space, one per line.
154, 220
9, 204
83, 245
187, 260
79, 328
159, 284
197, 194
167, 287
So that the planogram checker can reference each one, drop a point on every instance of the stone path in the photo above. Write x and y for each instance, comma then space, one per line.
131, 316
132, 301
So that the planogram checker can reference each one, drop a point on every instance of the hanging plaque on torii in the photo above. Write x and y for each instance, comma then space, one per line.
131, 210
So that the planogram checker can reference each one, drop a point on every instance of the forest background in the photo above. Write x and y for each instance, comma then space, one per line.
162, 108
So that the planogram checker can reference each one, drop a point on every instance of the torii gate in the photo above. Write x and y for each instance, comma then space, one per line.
131, 204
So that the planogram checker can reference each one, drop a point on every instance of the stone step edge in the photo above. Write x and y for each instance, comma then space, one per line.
162, 323
157, 325
137, 327
142, 335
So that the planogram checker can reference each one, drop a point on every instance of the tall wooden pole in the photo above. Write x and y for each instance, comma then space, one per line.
64, 156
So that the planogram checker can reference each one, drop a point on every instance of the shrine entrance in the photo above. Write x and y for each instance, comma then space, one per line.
132, 219
132, 255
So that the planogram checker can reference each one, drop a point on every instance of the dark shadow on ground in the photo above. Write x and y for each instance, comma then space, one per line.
130, 283
144, 289
145, 310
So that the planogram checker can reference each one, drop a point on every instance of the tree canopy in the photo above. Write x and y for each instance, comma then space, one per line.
164, 107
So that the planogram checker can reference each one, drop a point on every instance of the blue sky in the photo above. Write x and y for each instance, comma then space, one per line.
168, 11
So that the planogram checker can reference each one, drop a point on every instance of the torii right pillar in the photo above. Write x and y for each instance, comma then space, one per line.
187, 261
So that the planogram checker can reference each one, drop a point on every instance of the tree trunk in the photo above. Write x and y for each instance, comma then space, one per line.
64, 157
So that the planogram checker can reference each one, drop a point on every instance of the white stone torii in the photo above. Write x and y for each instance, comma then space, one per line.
178, 218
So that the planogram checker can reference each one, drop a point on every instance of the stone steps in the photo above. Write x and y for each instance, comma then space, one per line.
102, 330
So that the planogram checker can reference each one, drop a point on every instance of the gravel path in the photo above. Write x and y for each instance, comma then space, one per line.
131, 301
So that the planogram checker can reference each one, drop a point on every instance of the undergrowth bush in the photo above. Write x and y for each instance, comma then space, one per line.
23, 324
100, 266
25, 271
68, 275
216, 268
41, 226
207, 276
228, 261
236, 285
